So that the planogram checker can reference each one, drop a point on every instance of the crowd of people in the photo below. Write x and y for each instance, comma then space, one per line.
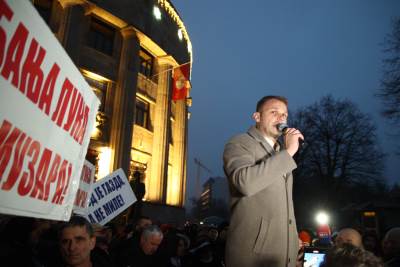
262, 230
41, 243
349, 248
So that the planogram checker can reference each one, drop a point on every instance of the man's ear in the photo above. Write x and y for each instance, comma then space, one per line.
256, 116
92, 242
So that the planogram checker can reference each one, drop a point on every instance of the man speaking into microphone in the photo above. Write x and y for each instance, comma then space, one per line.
262, 230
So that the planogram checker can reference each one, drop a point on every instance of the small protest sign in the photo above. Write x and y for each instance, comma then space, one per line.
110, 196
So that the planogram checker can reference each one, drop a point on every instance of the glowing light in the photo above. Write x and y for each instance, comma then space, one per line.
369, 213
157, 13
104, 162
174, 15
180, 35
322, 218
95, 131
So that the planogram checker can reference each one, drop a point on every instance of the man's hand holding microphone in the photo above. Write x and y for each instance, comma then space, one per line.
292, 137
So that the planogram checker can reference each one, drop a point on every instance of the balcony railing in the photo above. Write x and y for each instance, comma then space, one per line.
147, 87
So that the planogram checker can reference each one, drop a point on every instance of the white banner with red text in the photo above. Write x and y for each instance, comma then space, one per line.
47, 111
85, 188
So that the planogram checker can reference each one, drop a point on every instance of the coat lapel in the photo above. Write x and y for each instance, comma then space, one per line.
255, 133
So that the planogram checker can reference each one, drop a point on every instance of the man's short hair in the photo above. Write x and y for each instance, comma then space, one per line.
347, 255
151, 230
80, 221
261, 102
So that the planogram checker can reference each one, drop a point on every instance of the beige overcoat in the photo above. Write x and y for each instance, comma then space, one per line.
262, 230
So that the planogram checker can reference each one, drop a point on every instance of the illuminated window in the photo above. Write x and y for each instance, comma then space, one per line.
44, 8
142, 114
101, 36
146, 63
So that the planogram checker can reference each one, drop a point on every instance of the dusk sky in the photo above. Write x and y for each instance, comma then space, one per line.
303, 50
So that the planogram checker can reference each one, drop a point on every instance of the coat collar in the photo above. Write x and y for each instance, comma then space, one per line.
256, 134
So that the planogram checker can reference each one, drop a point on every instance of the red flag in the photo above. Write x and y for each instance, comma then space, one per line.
180, 82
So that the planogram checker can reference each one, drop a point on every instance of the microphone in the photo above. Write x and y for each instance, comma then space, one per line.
283, 127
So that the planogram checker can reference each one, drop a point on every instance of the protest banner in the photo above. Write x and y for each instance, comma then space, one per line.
85, 188
111, 195
47, 111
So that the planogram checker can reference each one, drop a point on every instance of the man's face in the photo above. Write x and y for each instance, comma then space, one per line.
76, 244
150, 243
272, 112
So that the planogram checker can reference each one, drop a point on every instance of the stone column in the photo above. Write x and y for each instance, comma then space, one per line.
124, 102
159, 161
180, 146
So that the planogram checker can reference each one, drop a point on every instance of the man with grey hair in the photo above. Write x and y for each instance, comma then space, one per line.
391, 247
143, 251
349, 236
150, 239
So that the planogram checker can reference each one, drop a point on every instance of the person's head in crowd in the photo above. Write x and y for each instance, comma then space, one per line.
212, 234
305, 238
347, 255
142, 223
77, 240
182, 245
40, 226
103, 238
350, 236
391, 243
118, 229
150, 239
203, 252
165, 228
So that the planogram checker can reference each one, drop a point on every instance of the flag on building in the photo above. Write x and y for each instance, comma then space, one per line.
181, 82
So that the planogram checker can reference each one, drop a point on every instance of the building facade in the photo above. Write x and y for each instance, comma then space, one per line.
127, 50
214, 199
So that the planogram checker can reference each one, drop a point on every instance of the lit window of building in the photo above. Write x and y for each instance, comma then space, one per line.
146, 63
142, 113
101, 36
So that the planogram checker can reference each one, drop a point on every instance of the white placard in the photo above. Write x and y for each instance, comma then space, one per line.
85, 188
111, 195
47, 111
